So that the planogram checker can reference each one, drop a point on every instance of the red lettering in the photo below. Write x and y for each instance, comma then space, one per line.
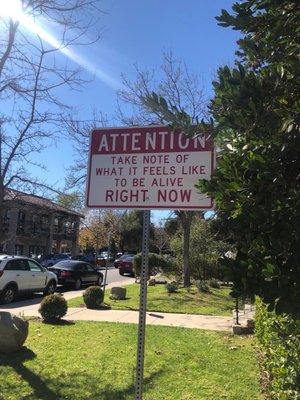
109, 195
172, 195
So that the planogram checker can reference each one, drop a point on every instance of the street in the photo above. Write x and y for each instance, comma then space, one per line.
25, 301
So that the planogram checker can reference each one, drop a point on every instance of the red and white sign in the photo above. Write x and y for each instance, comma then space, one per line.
148, 168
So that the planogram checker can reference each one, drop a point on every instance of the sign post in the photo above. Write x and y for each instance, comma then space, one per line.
146, 168
143, 303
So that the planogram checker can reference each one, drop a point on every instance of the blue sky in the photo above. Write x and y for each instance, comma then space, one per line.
137, 32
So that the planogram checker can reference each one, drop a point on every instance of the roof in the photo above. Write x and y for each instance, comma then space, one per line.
15, 195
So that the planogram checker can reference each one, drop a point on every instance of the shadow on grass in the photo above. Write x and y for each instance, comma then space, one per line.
16, 361
59, 322
83, 386
108, 392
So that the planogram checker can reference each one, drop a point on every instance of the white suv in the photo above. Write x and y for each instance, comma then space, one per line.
21, 274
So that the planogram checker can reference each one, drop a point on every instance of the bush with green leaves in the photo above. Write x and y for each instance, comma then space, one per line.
156, 263
202, 286
93, 297
205, 251
214, 283
279, 341
53, 307
172, 287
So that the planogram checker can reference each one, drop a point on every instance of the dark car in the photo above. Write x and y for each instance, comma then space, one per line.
126, 266
52, 259
118, 261
76, 273
89, 258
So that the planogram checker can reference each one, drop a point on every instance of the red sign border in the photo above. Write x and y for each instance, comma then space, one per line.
208, 208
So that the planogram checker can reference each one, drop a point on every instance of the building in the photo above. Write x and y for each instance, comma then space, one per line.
33, 225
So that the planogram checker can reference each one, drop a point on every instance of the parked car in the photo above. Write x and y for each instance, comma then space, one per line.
118, 261
52, 259
76, 273
126, 266
89, 258
20, 274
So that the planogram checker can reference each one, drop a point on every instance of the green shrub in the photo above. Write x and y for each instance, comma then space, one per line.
53, 307
279, 341
156, 263
214, 283
93, 297
202, 286
172, 287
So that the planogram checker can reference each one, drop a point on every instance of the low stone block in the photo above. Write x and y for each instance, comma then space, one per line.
13, 332
161, 281
237, 329
118, 293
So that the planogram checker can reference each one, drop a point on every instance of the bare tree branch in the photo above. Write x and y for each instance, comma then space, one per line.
32, 73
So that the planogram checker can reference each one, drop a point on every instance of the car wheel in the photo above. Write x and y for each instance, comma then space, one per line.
8, 294
100, 280
121, 273
77, 284
50, 288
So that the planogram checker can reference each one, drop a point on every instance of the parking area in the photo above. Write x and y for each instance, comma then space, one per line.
34, 299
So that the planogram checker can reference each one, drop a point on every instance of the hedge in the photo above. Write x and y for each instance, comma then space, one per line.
279, 342
156, 263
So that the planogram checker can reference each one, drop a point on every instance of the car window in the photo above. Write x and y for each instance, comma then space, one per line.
82, 267
90, 268
17, 265
34, 266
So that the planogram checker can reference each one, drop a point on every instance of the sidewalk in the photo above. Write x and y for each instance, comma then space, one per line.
209, 322
192, 321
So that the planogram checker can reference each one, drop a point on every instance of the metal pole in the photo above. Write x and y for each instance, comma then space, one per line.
105, 278
143, 303
106, 266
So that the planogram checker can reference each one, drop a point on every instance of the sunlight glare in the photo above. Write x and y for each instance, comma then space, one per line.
11, 8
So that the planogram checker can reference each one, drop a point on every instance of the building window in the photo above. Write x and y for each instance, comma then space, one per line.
21, 222
45, 225
19, 249
37, 252
35, 223
56, 225
6, 219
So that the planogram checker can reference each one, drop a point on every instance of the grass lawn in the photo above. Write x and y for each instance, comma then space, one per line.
218, 302
96, 361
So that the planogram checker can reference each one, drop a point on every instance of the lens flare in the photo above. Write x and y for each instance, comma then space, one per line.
13, 9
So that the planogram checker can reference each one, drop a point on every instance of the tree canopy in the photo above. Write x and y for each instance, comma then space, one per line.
255, 124
256, 110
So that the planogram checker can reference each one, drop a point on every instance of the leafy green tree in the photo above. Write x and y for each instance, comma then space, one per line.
131, 231
256, 118
256, 109
172, 225
205, 250
112, 248
72, 201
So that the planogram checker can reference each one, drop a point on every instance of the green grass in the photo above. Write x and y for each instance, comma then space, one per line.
218, 302
96, 361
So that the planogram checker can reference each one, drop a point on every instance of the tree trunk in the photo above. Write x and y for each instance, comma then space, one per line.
186, 220
2, 212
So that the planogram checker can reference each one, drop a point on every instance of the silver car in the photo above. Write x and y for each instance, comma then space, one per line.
20, 274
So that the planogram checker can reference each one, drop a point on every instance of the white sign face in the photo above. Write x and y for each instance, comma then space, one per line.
148, 168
